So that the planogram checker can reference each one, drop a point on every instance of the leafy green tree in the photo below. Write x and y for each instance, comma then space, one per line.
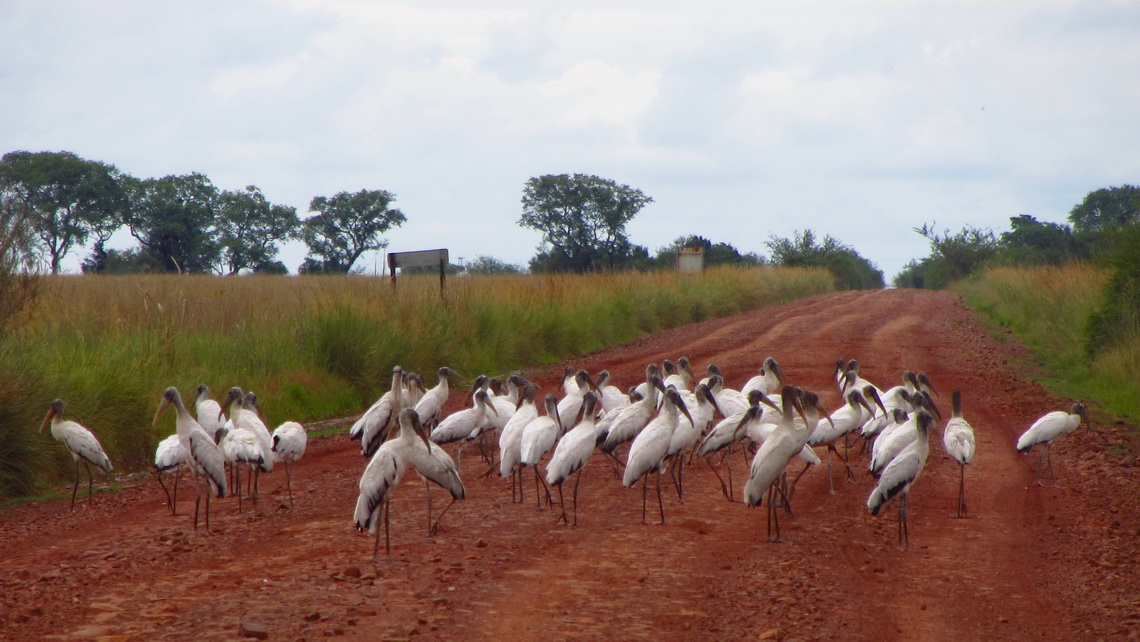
1118, 316
490, 265
250, 227
851, 270
955, 256
19, 284
715, 253
130, 261
346, 226
67, 197
1107, 208
173, 218
582, 219
1032, 242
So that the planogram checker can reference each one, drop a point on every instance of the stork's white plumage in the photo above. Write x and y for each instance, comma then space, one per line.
1046, 430
169, 455
650, 447
768, 381
958, 440
373, 426
901, 473
430, 405
289, 442
538, 437
434, 466
82, 444
202, 454
573, 451
510, 439
381, 477
207, 411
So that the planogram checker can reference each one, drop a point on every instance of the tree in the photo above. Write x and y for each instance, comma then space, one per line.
346, 226
490, 265
1106, 209
715, 253
19, 284
955, 256
802, 250
249, 228
1032, 242
582, 219
173, 219
1117, 318
68, 198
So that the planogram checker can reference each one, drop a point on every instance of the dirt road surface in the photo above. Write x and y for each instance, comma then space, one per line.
1030, 563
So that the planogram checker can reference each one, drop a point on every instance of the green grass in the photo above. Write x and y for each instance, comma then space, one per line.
1048, 308
314, 347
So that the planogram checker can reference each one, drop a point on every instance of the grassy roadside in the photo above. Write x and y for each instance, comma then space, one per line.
1048, 308
315, 347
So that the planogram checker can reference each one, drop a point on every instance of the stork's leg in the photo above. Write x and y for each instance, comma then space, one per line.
378, 515
197, 496
1048, 456
961, 490
680, 467
644, 495
90, 482
208, 493
1040, 457
830, 483
847, 461
169, 501
576, 482
774, 514
660, 502
174, 504
237, 473
904, 531
289, 483
723, 488
728, 464
387, 524
75, 489
562, 503
435, 527
782, 486
792, 490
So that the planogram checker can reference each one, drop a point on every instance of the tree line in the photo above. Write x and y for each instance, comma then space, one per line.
53, 203
1104, 228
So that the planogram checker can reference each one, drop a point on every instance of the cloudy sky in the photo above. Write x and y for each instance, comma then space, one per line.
741, 120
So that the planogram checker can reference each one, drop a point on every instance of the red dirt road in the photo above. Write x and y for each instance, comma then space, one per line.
1029, 563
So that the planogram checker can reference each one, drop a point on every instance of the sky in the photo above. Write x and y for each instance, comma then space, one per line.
742, 120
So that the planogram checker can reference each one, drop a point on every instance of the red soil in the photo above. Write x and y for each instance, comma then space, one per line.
1029, 563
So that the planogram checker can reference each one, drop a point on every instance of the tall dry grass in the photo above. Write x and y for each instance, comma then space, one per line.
1048, 309
322, 346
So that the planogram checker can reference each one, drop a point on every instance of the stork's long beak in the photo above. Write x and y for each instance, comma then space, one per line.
161, 406
709, 395
684, 410
47, 419
749, 415
418, 426
870, 390
768, 402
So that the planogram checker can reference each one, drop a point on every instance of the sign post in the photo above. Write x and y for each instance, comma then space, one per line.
419, 258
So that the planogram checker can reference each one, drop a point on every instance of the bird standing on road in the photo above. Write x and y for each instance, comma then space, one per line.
538, 437
381, 477
958, 440
289, 443
572, 453
650, 447
430, 405
169, 454
510, 439
1046, 430
372, 427
80, 442
434, 466
203, 455
901, 473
